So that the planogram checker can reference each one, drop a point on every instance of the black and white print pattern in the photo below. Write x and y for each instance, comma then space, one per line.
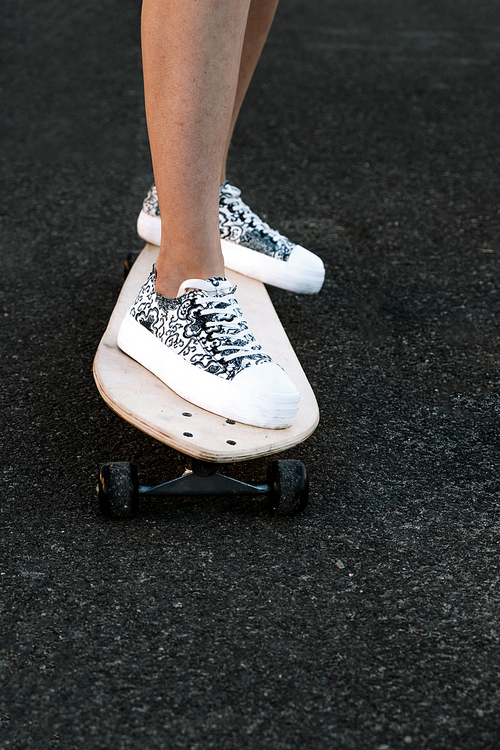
239, 224
207, 329
150, 205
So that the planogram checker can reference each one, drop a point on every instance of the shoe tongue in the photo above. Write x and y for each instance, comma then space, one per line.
216, 286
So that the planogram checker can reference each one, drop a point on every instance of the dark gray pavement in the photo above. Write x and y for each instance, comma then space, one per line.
371, 135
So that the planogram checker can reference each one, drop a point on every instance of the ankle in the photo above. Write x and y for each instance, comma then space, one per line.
170, 275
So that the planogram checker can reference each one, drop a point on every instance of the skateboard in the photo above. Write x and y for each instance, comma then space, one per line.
207, 440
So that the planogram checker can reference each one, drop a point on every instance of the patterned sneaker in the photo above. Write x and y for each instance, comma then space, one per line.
200, 346
249, 245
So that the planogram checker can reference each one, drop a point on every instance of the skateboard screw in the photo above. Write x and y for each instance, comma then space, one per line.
230, 421
186, 414
187, 434
230, 442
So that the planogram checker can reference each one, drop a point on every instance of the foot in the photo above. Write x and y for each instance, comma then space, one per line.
200, 346
249, 245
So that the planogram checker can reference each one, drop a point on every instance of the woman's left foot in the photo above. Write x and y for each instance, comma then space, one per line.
249, 245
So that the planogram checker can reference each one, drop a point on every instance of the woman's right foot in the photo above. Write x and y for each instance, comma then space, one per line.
200, 346
249, 245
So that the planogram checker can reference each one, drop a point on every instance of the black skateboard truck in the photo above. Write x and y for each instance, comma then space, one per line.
286, 489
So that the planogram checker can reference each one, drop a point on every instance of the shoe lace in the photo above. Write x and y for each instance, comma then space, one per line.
227, 324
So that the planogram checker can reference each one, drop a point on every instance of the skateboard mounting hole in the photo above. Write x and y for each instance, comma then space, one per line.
187, 434
231, 442
186, 414
230, 421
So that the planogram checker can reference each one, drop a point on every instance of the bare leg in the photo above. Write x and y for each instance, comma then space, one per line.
192, 51
260, 18
192, 54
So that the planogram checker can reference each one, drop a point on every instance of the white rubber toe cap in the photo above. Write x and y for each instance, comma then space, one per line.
269, 394
307, 269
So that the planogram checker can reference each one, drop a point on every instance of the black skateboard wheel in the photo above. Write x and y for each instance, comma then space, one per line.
118, 490
289, 486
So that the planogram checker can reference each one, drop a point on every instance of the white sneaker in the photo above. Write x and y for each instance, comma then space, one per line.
200, 346
249, 245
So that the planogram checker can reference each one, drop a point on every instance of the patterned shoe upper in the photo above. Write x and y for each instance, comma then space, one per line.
150, 205
238, 223
204, 325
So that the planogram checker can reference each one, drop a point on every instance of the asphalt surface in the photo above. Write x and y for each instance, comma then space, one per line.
371, 136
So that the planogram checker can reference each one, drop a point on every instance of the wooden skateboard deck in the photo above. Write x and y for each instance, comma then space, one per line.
143, 400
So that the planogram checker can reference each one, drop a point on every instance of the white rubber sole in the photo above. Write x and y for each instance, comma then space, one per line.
262, 395
149, 228
303, 272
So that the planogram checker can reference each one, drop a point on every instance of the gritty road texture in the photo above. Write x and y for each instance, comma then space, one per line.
371, 136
